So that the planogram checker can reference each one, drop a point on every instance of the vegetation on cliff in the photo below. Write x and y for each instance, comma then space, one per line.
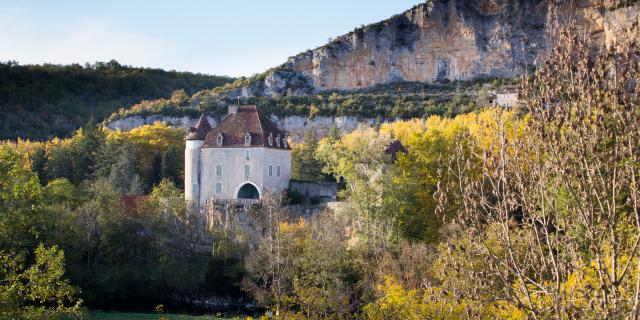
402, 100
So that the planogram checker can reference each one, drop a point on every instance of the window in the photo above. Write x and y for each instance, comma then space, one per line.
247, 138
270, 139
226, 154
278, 141
278, 171
219, 187
219, 139
247, 154
195, 188
284, 141
270, 171
247, 171
219, 170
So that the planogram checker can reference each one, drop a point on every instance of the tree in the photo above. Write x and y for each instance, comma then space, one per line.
270, 261
59, 160
179, 97
39, 291
304, 163
21, 203
555, 210
169, 166
155, 172
136, 188
361, 160
38, 164
123, 173
62, 192
85, 145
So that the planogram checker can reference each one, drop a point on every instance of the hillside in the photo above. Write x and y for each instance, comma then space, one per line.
439, 57
41, 101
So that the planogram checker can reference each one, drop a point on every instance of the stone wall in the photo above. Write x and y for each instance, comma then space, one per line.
232, 163
326, 191
507, 99
295, 125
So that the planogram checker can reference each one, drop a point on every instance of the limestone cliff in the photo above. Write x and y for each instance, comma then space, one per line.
443, 40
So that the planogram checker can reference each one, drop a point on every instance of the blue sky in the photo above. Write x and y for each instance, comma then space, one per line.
224, 37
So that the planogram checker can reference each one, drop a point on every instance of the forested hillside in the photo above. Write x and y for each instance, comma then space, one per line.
526, 213
42, 101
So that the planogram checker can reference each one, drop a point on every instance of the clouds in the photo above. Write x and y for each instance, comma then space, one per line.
28, 38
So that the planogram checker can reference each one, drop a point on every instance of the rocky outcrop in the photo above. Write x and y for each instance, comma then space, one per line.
296, 126
443, 40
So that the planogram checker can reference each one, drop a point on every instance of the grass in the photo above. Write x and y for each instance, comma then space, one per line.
147, 316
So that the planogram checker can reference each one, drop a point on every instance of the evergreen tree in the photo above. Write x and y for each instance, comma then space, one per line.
169, 165
38, 164
123, 172
155, 172
106, 157
136, 187
60, 163
304, 164
85, 146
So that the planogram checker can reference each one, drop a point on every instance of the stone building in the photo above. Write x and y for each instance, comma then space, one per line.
507, 96
239, 159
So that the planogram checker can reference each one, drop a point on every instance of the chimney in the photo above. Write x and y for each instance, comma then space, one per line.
233, 109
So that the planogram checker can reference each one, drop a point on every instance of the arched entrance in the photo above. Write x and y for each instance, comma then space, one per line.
248, 191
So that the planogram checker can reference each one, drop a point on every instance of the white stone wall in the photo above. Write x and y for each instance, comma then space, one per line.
507, 99
295, 125
232, 178
191, 170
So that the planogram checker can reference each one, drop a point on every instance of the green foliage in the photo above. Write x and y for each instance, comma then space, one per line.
398, 100
361, 160
39, 291
62, 192
169, 165
305, 165
41, 101
123, 176
21, 203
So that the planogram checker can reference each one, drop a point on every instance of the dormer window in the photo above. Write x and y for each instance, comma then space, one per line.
278, 141
247, 139
270, 139
220, 139
284, 142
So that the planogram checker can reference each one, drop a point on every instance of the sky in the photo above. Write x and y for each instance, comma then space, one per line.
222, 37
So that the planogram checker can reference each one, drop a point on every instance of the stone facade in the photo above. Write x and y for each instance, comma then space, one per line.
223, 171
507, 99
325, 191
243, 156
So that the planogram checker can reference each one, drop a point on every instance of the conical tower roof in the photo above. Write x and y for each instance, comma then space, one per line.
199, 132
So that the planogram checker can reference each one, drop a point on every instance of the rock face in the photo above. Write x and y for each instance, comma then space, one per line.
443, 40
295, 125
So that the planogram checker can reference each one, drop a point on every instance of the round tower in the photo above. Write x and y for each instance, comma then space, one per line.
194, 141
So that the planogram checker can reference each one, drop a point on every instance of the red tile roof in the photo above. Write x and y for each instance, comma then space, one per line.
248, 119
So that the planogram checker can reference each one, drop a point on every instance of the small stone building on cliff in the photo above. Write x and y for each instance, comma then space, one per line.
239, 159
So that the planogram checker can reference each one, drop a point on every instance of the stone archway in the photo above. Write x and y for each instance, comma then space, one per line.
248, 191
